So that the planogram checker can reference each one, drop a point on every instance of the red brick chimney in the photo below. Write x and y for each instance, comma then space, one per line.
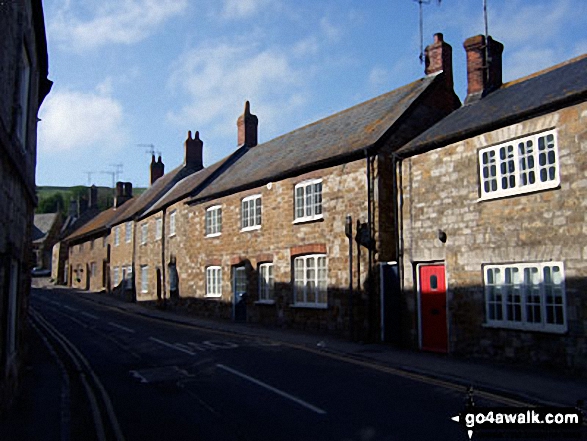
438, 57
483, 75
93, 197
247, 125
157, 169
123, 193
193, 152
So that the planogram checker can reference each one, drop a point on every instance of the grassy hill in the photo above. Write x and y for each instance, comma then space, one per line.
53, 199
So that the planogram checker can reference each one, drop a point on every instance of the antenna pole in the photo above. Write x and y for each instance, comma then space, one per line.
420, 3
421, 33
486, 42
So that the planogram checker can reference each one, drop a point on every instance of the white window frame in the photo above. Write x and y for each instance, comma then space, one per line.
214, 281
128, 277
301, 287
128, 232
158, 228
312, 211
519, 166
144, 278
172, 223
250, 220
93, 269
213, 221
266, 283
144, 233
510, 301
116, 235
115, 276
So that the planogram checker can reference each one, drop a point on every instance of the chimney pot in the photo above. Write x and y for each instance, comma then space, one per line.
247, 125
438, 58
193, 152
484, 66
93, 197
157, 169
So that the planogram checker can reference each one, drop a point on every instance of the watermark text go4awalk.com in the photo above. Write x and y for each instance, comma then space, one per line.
545, 422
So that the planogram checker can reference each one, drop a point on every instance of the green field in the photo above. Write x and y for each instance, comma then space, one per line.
52, 199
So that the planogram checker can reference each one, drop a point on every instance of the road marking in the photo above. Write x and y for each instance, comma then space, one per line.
274, 390
169, 345
70, 308
87, 314
124, 328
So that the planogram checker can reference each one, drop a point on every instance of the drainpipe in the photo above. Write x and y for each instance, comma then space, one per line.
348, 230
370, 230
398, 203
163, 239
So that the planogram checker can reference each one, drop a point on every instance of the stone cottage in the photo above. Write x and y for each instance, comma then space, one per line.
89, 247
265, 241
492, 218
23, 86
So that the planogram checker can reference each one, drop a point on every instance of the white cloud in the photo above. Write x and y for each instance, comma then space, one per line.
80, 122
219, 78
234, 9
111, 21
332, 32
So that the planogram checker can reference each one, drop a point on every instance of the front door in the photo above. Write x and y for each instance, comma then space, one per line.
239, 284
433, 330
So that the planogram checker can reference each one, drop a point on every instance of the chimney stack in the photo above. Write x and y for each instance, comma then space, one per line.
247, 125
438, 57
193, 152
123, 193
483, 75
157, 169
93, 197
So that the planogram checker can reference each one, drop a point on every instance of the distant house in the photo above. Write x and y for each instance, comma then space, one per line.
80, 212
493, 260
88, 247
45, 234
23, 86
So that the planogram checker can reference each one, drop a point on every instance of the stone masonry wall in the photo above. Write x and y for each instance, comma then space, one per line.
441, 191
81, 257
343, 192
121, 255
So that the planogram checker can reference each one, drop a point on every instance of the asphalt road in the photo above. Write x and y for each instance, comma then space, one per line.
135, 378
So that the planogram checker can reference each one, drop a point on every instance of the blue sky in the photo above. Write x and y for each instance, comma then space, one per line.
130, 72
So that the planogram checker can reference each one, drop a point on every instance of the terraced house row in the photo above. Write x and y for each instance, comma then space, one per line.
409, 218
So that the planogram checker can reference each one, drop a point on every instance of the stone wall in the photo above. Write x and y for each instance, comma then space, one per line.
81, 257
17, 184
441, 191
344, 191
121, 255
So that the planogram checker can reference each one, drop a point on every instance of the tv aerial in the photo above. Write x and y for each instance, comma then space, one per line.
421, 3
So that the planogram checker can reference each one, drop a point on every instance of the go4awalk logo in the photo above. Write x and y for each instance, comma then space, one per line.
510, 422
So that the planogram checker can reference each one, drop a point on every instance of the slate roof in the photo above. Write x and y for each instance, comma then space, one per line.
152, 194
187, 185
98, 224
515, 101
325, 141
42, 224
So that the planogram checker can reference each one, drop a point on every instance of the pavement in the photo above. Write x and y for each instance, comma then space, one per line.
506, 384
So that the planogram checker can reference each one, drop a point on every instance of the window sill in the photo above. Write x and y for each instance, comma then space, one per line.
303, 220
309, 306
213, 235
172, 235
501, 194
265, 302
213, 296
546, 329
256, 227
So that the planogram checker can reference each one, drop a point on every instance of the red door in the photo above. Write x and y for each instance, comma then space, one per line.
433, 308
